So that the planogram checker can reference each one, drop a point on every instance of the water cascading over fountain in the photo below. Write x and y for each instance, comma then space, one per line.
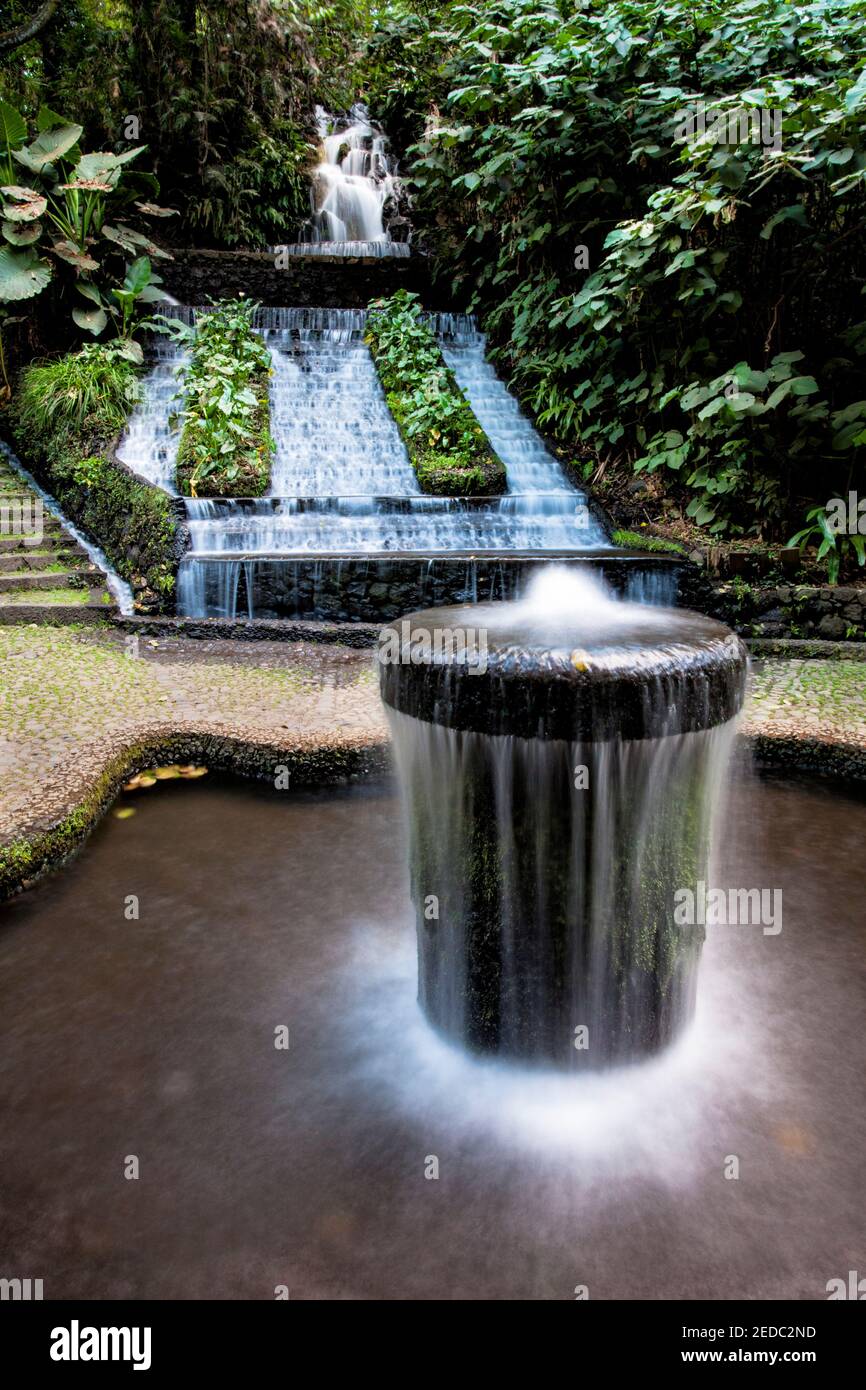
561, 760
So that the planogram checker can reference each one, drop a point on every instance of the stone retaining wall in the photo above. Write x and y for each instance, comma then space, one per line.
338, 282
379, 589
791, 610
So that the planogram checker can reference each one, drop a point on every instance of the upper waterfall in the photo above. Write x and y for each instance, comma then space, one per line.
351, 185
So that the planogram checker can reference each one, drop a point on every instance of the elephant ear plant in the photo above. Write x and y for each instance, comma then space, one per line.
64, 214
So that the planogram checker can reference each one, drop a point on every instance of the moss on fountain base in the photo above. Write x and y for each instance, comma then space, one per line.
541, 908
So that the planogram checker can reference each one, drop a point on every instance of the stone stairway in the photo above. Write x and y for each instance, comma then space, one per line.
45, 575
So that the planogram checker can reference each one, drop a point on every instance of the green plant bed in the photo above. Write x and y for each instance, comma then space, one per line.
249, 474
447, 447
226, 446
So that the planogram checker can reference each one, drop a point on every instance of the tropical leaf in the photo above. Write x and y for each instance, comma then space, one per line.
48, 147
22, 274
91, 320
151, 210
131, 350
95, 185
20, 235
123, 236
47, 119
13, 131
26, 203
137, 276
133, 241
73, 256
89, 291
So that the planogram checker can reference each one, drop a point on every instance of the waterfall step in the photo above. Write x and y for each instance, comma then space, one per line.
541, 522
376, 587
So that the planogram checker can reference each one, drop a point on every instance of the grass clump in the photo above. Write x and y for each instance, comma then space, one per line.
90, 393
448, 449
226, 446
633, 540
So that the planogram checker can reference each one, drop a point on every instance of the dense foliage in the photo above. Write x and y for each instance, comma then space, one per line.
65, 417
688, 300
448, 448
225, 445
221, 91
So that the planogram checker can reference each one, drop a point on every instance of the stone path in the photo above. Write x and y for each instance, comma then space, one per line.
72, 698
823, 700
45, 575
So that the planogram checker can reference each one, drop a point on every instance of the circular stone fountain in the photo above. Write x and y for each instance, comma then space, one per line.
561, 759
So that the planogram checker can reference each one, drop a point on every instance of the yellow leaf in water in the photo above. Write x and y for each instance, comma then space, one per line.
164, 773
793, 1139
125, 812
579, 660
194, 772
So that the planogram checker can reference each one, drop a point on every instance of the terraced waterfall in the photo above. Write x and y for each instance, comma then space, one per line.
345, 531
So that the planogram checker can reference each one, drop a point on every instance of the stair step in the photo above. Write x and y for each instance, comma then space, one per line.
61, 614
22, 561
56, 579
48, 530
25, 591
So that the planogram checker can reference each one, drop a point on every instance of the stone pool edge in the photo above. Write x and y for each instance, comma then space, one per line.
35, 853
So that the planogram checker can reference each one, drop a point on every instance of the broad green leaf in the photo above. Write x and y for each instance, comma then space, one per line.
73, 256
13, 131
24, 204
48, 119
22, 233
795, 212
856, 95
137, 276
91, 320
131, 350
51, 145
89, 291
22, 274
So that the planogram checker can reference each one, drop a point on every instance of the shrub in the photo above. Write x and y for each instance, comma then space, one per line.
448, 448
89, 393
74, 209
673, 294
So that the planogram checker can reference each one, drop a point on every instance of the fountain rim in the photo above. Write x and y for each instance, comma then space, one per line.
566, 692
